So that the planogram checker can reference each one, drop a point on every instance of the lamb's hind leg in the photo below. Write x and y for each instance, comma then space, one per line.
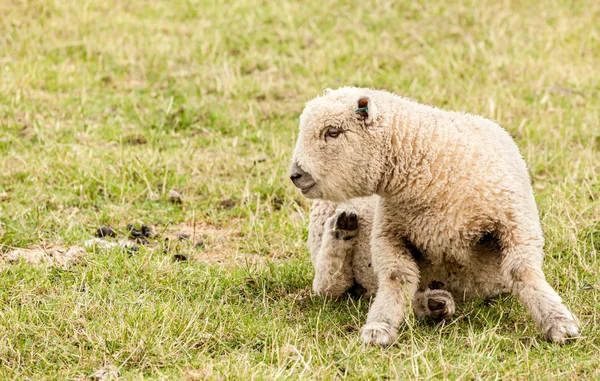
522, 270
333, 262
436, 304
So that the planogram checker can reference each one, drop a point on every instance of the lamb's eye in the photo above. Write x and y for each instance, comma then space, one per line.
332, 132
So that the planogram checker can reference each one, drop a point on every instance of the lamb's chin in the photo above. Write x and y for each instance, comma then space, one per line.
312, 193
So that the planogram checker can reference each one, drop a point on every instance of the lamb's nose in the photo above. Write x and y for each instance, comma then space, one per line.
297, 174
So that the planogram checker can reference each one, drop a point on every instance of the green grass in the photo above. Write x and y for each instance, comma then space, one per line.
207, 89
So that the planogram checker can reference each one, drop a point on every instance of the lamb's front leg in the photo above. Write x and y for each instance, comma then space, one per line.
398, 279
333, 262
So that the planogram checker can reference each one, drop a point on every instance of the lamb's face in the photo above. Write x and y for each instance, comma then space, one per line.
336, 155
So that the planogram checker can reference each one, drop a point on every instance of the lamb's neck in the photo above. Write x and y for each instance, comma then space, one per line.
413, 143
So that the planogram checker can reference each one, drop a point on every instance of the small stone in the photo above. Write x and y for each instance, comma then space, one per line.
199, 245
125, 245
175, 196
106, 231
180, 258
99, 243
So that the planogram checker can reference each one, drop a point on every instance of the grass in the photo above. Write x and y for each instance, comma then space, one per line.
102, 101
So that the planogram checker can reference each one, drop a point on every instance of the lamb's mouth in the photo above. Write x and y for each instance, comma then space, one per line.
305, 190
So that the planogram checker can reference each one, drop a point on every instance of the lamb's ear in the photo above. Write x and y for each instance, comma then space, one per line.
327, 91
366, 108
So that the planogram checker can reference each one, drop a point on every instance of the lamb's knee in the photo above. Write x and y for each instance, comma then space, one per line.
398, 279
330, 290
519, 272
526, 274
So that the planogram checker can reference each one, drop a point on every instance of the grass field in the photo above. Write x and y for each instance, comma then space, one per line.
107, 106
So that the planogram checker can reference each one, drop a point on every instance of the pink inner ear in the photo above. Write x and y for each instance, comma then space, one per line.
363, 102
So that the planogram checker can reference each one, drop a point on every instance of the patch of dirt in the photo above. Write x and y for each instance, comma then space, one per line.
49, 255
197, 231
182, 243
100, 243
204, 242
208, 243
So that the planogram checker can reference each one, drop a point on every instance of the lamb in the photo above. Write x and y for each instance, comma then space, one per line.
339, 241
455, 204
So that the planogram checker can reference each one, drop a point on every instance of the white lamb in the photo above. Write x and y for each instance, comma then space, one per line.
455, 206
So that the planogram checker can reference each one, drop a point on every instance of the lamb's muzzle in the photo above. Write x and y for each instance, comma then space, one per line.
301, 179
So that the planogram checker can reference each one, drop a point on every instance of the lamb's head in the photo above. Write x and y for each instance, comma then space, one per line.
338, 153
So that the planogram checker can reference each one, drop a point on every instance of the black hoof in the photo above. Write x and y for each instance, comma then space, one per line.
435, 305
347, 221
